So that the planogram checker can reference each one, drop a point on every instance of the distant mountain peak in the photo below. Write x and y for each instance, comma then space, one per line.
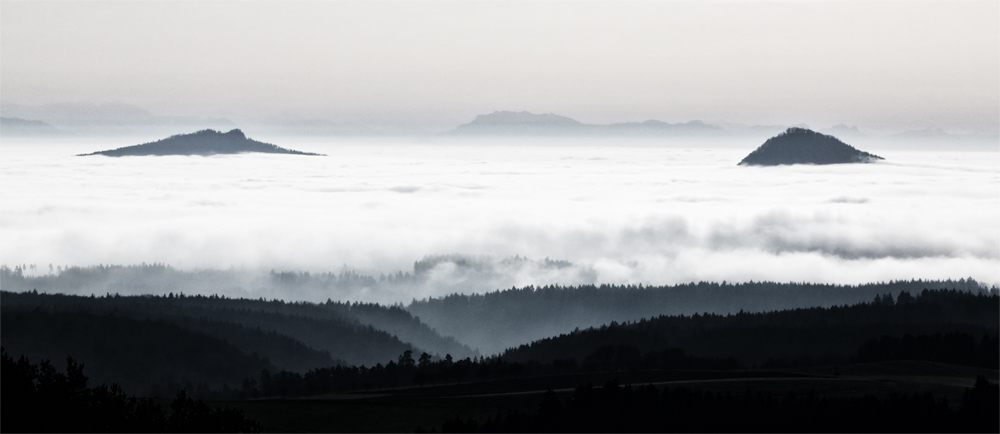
926, 133
804, 146
523, 117
844, 129
550, 124
203, 142
12, 126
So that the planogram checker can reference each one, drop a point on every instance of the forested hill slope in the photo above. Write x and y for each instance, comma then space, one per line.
499, 320
294, 337
834, 333
393, 320
145, 357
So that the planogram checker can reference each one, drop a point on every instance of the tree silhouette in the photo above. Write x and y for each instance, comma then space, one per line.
39, 398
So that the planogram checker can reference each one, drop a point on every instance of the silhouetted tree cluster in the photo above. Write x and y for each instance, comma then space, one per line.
407, 372
952, 348
647, 409
629, 358
39, 398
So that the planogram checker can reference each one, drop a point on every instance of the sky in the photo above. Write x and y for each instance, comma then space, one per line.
883, 66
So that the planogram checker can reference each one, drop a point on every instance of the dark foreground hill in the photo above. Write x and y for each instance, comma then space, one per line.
149, 343
204, 142
803, 146
923, 362
951, 327
799, 336
40, 398
142, 356
499, 320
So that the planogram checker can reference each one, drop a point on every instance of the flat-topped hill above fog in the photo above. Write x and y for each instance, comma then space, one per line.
522, 118
204, 142
510, 123
803, 146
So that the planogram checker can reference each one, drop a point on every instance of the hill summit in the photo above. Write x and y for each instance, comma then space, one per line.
804, 146
204, 142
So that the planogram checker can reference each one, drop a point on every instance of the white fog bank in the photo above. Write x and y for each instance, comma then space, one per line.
617, 212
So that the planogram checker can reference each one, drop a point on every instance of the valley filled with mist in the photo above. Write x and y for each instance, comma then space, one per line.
470, 216
483, 265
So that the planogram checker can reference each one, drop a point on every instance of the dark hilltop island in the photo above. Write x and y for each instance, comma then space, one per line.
804, 146
204, 142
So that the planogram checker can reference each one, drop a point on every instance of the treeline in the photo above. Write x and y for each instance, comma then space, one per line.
499, 320
223, 357
407, 371
490, 322
424, 371
647, 409
373, 322
39, 398
217, 347
822, 335
161, 279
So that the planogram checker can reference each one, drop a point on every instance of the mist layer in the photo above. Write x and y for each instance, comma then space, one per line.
612, 212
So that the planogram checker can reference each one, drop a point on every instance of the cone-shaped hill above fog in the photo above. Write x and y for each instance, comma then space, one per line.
803, 146
204, 142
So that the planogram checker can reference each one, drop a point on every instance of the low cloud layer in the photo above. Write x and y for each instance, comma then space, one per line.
602, 213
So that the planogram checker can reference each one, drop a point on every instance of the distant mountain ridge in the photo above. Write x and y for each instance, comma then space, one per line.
524, 123
523, 118
804, 146
87, 115
204, 142
26, 127
843, 131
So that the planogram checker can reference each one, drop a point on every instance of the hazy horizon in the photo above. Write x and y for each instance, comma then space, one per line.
885, 67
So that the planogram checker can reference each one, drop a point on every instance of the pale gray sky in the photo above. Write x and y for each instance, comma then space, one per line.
886, 66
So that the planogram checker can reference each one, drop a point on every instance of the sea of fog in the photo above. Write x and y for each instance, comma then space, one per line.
618, 211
